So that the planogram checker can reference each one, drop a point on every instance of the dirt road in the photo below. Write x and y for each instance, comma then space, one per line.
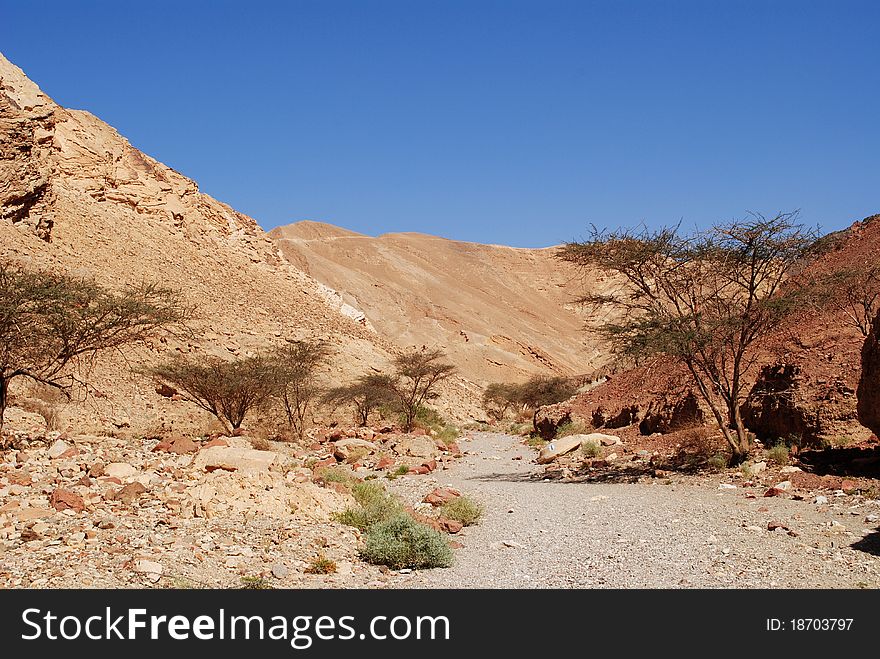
647, 535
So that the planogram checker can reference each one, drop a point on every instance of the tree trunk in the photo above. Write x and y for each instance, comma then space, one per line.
743, 444
4, 393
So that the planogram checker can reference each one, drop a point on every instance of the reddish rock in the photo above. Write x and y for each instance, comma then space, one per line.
441, 495
455, 545
774, 492
384, 463
96, 469
335, 434
165, 391
327, 462
848, 485
111, 479
449, 525
215, 442
20, 478
69, 453
430, 464
453, 448
65, 499
129, 494
868, 392
421, 470
85, 481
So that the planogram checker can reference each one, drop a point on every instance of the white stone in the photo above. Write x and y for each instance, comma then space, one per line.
57, 449
242, 460
120, 470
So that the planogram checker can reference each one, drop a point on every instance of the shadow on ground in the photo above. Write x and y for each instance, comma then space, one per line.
844, 461
870, 544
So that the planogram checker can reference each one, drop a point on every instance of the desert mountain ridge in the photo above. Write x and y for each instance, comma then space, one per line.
75, 195
502, 313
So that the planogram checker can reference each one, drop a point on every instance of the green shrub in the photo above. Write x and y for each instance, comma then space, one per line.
462, 509
321, 565
374, 505
718, 461
590, 449
778, 454
401, 542
399, 470
571, 428
255, 583
336, 475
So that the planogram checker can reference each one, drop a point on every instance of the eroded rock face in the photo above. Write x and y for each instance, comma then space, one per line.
868, 393
669, 415
548, 419
787, 404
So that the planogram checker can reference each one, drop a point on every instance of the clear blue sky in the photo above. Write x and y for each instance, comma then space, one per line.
507, 122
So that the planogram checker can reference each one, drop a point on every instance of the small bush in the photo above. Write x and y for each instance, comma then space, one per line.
48, 411
375, 505
321, 565
462, 509
590, 450
571, 428
336, 475
260, 444
255, 583
717, 461
401, 542
536, 442
400, 470
778, 454
448, 435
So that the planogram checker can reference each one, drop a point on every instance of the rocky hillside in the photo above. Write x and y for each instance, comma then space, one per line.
804, 388
75, 195
502, 313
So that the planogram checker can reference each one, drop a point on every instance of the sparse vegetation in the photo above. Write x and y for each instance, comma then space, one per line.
398, 471
462, 509
255, 583
778, 454
705, 300
717, 462
320, 564
590, 450
402, 542
294, 368
416, 376
52, 326
260, 444
336, 474
226, 389
571, 428
500, 398
374, 505
365, 395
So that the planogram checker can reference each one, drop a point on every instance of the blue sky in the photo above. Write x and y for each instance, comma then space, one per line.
495, 121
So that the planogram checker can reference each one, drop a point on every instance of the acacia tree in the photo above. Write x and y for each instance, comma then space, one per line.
52, 325
416, 376
366, 394
855, 294
226, 389
498, 398
294, 368
705, 299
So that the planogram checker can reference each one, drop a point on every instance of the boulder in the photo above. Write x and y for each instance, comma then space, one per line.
228, 458
346, 448
868, 392
58, 448
441, 495
562, 446
177, 444
674, 413
416, 446
119, 470
128, 494
548, 419
66, 500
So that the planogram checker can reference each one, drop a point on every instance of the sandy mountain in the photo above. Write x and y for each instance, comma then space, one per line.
75, 195
502, 313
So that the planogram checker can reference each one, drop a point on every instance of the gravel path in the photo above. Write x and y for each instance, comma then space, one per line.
545, 534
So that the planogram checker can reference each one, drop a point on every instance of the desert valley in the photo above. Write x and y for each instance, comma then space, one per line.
325, 409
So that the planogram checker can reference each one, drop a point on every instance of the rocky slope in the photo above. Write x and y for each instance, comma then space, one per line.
804, 388
502, 313
75, 195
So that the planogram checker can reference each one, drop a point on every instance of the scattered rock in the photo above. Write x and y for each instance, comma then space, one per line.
384, 463
441, 495
66, 500
244, 460
130, 493
726, 486
119, 470
559, 447
821, 500
151, 569
345, 448
417, 447
790, 469
279, 571
758, 467
59, 448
